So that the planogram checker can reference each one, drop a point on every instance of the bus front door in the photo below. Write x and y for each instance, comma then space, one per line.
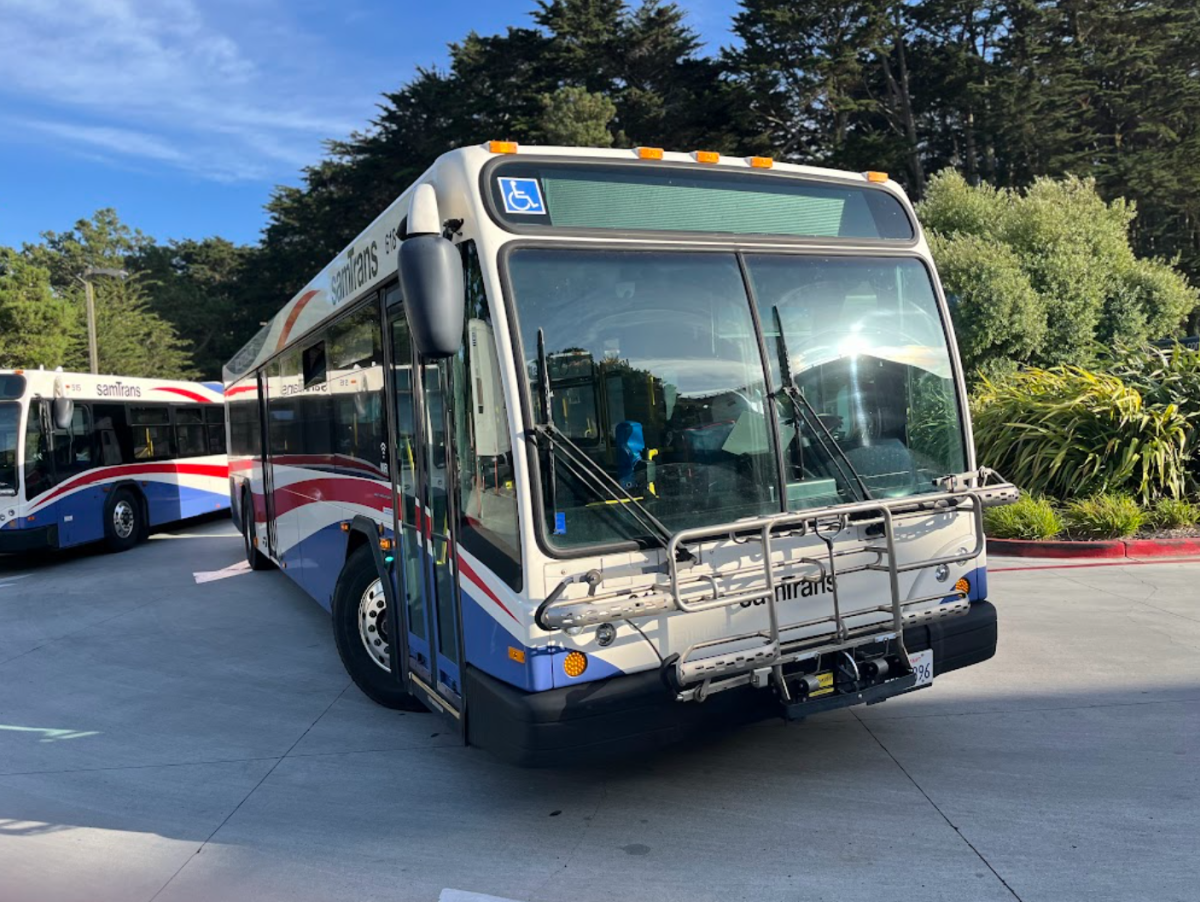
268, 482
423, 480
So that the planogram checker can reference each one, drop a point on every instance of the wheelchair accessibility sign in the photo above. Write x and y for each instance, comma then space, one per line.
522, 196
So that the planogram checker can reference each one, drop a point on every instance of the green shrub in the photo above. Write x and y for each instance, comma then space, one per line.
1067, 432
1046, 274
1027, 518
1103, 517
1173, 513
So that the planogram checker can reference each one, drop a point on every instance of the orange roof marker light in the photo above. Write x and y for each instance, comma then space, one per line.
502, 146
650, 153
707, 156
761, 162
876, 176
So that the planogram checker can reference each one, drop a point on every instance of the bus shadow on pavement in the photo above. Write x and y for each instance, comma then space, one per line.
41, 560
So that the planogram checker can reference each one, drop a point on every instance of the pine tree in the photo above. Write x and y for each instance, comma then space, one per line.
35, 325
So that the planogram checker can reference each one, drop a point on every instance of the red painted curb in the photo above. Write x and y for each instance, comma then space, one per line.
1108, 548
1162, 547
1050, 548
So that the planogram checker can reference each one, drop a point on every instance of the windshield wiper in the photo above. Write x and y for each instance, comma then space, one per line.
586, 470
803, 410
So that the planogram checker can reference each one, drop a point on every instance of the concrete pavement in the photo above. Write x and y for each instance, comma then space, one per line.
168, 740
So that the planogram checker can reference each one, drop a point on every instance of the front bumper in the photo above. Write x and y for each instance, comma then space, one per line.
39, 538
627, 714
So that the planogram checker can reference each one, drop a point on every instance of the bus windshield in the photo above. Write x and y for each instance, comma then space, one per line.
650, 364
10, 421
861, 340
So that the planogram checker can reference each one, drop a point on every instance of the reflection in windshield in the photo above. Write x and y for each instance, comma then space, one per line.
10, 418
655, 374
866, 346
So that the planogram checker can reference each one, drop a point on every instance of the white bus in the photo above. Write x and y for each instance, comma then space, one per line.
589, 449
86, 458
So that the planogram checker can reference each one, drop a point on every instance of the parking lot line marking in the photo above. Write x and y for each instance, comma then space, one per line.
209, 576
9, 580
49, 734
459, 895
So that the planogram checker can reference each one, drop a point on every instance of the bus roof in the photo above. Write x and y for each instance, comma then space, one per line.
92, 387
370, 260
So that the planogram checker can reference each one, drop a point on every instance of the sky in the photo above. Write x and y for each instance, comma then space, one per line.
184, 114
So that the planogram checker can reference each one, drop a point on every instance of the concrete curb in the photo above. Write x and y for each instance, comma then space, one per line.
1109, 548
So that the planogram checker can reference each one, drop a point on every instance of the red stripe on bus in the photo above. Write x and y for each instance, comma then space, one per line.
301, 302
190, 395
240, 389
468, 571
216, 471
346, 491
358, 491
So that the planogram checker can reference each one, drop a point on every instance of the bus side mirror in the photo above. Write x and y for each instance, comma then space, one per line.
431, 280
64, 413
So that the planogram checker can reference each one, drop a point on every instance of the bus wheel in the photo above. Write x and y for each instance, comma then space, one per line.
360, 631
255, 558
123, 524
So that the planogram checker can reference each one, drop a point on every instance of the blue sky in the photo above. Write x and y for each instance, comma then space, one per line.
183, 114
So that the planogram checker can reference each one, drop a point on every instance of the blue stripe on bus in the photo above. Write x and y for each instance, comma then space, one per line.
166, 502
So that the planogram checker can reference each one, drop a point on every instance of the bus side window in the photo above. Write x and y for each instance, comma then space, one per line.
355, 349
38, 472
72, 449
189, 430
151, 433
214, 423
114, 437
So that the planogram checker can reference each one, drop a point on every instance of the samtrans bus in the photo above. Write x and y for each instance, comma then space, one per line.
590, 449
86, 458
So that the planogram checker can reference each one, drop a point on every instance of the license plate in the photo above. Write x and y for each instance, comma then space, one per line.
922, 665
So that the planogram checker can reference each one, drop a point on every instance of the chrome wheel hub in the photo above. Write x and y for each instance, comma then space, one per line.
372, 625
123, 519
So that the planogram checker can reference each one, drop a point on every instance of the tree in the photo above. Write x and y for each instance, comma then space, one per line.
196, 286
131, 339
575, 118
802, 67
35, 326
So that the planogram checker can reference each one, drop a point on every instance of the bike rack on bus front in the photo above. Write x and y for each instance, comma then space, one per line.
770, 650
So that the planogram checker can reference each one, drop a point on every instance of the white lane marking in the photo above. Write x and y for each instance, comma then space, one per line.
48, 734
209, 576
195, 535
462, 895
9, 580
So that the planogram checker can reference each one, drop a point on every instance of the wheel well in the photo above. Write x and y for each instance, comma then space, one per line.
356, 540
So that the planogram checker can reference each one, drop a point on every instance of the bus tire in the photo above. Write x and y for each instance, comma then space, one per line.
358, 600
124, 520
255, 558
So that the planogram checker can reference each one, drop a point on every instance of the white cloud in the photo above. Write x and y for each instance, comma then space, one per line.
157, 80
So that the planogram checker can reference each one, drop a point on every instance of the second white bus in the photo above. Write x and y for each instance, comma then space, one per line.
87, 458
